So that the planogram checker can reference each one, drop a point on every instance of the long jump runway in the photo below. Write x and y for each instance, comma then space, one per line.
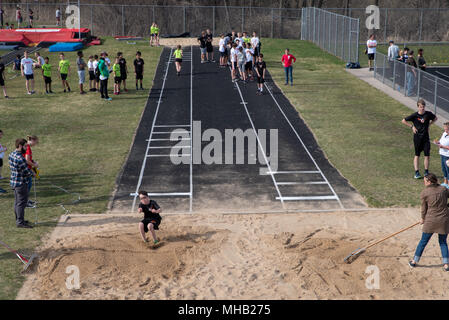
201, 98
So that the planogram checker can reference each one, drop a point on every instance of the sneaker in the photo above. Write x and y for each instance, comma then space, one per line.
411, 264
33, 92
68, 89
65, 90
25, 226
51, 91
29, 205
108, 99
445, 268
417, 175
213, 60
6, 97
155, 241
32, 202
46, 91
444, 185
202, 61
29, 92
426, 173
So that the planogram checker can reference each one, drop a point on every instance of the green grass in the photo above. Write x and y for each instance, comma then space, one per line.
357, 126
83, 144
434, 53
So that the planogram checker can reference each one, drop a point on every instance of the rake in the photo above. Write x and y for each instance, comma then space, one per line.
26, 260
356, 253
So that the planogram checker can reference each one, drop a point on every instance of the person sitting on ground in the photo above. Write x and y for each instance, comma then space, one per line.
435, 219
16, 63
151, 219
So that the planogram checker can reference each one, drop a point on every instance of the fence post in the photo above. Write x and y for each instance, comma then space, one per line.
92, 19
153, 15
314, 24
184, 18
329, 33
405, 80
319, 29
243, 18
435, 97
272, 22
383, 71
357, 42
419, 83
420, 25
394, 74
123, 20
213, 23
336, 33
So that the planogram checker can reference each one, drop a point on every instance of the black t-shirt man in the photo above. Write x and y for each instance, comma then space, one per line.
209, 39
138, 65
260, 66
203, 41
421, 63
122, 64
149, 217
421, 122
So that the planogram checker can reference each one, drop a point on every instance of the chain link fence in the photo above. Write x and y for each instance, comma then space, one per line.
332, 32
404, 24
413, 82
135, 20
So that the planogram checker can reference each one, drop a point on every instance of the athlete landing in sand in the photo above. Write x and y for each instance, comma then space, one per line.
151, 219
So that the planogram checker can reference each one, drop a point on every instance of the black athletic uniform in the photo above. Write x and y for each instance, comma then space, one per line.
150, 217
2, 69
260, 66
138, 64
421, 138
122, 63
209, 46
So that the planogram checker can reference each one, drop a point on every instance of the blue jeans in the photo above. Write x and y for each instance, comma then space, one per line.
288, 71
444, 167
423, 243
410, 83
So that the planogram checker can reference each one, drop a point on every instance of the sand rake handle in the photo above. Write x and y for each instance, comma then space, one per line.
392, 235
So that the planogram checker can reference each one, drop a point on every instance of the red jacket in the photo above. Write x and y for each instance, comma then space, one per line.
287, 60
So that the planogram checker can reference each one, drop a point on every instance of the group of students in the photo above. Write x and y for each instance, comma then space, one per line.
99, 69
19, 18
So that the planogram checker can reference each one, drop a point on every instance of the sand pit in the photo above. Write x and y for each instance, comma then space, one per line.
279, 256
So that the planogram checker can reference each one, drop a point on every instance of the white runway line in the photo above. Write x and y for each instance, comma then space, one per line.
191, 124
299, 183
305, 148
309, 198
151, 134
260, 145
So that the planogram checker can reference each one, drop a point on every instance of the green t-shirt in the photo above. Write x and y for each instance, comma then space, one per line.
178, 54
46, 67
247, 40
116, 69
64, 66
155, 30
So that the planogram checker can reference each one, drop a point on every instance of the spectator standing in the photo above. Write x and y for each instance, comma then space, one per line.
58, 16
421, 122
2, 12
64, 69
81, 71
405, 54
255, 42
372, 45
31, 17
202, 42
104, 76
260, 68
138, 69
32, 165
435, 219
97, 74
393, 51
18, 16
443, 144
20, 173
26, 68
2, 81
117, 76
3, 149
39, 60
46, 73
411, 74
123, 70
288, 59
421, 61
222, 50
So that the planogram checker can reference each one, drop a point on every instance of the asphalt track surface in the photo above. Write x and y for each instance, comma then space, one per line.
302, 180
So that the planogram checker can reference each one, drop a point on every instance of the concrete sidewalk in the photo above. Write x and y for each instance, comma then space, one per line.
367, 76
